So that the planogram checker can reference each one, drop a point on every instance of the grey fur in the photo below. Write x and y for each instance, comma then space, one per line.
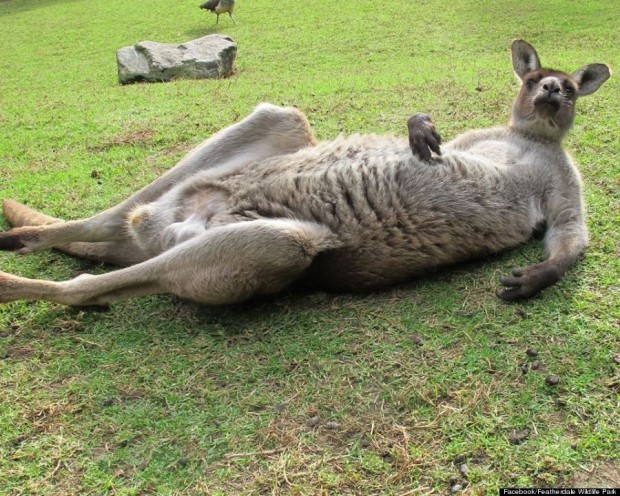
261, 205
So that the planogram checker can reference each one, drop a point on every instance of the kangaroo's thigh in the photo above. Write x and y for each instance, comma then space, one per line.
268, 131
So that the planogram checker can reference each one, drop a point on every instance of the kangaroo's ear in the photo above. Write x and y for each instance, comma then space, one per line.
524, 58
590, 78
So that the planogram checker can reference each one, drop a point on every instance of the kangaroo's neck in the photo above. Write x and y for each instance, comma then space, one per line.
538, 129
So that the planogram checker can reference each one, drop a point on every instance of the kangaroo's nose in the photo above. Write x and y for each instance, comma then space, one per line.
551, 85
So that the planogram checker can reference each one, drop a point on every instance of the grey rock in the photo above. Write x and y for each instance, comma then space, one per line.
211, 56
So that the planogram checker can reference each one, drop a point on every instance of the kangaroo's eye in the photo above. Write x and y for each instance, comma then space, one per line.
530, 83
568, 91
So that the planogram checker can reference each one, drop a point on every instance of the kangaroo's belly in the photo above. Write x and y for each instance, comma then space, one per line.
394, 216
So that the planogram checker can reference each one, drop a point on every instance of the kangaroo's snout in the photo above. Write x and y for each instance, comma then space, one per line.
550, 85
548, 98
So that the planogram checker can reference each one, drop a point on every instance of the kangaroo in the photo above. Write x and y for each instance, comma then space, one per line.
261, 205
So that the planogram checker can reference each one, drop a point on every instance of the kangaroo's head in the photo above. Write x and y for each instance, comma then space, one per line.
545, 105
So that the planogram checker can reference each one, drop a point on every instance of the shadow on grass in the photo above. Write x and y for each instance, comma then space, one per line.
465, 290
444, 292
206, 29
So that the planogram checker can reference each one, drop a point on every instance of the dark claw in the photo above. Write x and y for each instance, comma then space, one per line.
511, 282
418, 148
516, 286
510, 294
435, 142
433, 138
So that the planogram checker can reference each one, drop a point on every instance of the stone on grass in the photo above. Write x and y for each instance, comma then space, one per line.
552, 380
517, 437
313, 422
208, 57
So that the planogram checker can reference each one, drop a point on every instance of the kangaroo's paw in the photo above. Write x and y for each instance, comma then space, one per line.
423, 138
527, 282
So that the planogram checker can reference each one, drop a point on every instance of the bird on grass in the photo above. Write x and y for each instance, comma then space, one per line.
219, 7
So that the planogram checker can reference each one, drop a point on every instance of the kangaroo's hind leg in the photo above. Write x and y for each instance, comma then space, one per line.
224, 265
120, 252
268, 131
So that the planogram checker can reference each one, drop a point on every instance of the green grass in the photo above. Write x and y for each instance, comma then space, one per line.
159, 396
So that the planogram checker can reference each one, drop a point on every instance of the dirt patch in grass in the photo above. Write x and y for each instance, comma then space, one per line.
605, 474
130, 138
21, 353
52, 416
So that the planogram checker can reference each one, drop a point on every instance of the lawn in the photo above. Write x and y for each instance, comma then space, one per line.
415, 390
